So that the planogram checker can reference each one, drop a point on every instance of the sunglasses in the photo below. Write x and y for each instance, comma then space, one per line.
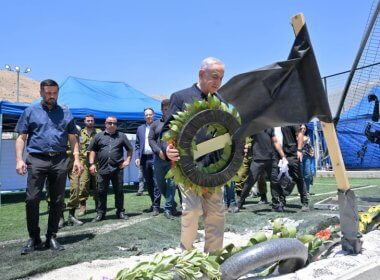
111, 123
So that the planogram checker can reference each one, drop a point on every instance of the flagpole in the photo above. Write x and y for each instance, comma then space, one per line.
348, 211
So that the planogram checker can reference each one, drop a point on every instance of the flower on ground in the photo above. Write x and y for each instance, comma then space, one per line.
374, 209
324, 234
365, 217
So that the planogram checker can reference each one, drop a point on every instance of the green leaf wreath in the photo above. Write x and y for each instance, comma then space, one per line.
217, 129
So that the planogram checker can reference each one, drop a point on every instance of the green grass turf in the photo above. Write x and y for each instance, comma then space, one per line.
142, 233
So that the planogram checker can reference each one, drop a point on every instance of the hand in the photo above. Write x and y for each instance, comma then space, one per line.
283, 166
172, 153
285, 161
137, 162
299, 156
21, 167
77, 168
124, 164
93, 169
246, 150
161, 155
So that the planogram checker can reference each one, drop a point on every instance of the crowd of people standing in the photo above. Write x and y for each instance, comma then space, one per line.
93, 159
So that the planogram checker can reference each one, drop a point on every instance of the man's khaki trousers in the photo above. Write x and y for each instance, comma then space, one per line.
211, 207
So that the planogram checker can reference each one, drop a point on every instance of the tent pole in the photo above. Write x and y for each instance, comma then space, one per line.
317, 155
348, 207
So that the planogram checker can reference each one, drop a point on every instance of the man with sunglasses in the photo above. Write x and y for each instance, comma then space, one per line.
109, 147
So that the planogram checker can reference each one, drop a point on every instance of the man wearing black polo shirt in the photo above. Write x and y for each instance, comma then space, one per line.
109, 147
265, 159
292, 145
45, 128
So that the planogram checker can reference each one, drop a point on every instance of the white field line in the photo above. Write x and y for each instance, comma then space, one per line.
335, 192
101, 229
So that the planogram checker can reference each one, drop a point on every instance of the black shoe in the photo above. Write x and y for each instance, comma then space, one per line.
279, 209
53, 244
98, 218
176, 213
73, 221
31, 245
156, 212
139, 194
168, 215
122, 216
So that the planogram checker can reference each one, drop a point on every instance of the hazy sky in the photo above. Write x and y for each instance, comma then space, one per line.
157, 46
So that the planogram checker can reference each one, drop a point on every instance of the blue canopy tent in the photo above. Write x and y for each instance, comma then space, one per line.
9, 114
101, 98
353, 128
82, 97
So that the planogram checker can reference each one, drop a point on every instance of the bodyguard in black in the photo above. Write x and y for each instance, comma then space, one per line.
109, 147
264, 158
292, 146
45, 128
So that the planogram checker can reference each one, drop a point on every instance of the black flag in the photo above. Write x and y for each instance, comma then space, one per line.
284, 93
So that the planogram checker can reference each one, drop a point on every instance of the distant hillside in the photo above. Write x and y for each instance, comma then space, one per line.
28, 90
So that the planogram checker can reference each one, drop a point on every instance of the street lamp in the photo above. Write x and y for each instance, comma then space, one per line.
17, 70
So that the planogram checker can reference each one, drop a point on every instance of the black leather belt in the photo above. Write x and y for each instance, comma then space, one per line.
49, 154
147, 156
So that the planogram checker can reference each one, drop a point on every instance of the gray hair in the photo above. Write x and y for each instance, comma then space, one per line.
208, 61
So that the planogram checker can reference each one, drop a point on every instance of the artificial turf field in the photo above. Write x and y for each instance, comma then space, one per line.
142, 233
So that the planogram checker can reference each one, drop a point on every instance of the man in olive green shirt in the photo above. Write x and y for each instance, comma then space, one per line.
81, 188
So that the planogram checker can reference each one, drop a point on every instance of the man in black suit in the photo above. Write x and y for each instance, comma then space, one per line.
210, 204
144, 157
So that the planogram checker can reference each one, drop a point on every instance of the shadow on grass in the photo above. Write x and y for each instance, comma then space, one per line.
66, 210
293, 206
269, 210
19, 196
75, 238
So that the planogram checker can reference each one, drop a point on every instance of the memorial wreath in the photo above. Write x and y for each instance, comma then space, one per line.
220, 122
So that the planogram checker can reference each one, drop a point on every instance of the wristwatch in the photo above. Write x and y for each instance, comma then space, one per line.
299, 150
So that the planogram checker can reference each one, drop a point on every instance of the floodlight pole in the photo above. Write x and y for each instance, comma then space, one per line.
17, 70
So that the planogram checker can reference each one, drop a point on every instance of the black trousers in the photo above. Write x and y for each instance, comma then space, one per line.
116, 177
295, 172
257, 167
278, 197
146, 163
41, 168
